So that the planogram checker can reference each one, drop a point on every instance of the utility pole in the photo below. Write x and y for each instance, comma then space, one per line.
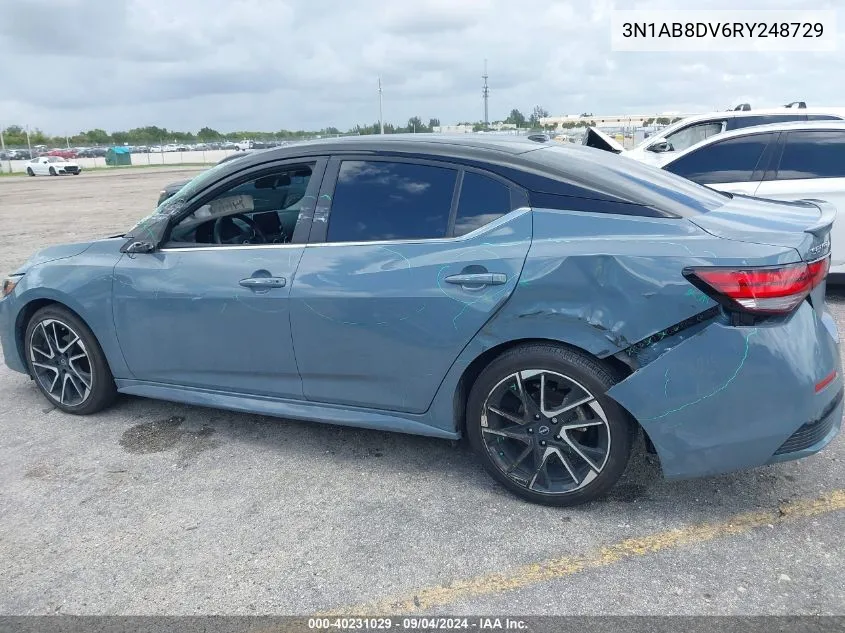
485, 93
380, 115
3, 149
28, 144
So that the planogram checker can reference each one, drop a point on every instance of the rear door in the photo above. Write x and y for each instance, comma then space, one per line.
407, 261
812, 165
736, 165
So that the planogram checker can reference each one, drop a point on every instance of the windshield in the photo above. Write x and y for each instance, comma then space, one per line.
55, 159
152, 227
617, 176
193, 186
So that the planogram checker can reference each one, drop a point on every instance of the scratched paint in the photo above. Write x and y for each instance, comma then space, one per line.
727, 382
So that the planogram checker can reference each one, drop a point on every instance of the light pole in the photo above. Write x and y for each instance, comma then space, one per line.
380, 116
3, 149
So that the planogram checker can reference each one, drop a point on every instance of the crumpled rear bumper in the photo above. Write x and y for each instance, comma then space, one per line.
728, 398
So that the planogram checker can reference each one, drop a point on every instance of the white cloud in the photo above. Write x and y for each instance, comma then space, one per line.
297, 64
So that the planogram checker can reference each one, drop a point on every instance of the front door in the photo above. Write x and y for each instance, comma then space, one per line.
413, 261
210, 309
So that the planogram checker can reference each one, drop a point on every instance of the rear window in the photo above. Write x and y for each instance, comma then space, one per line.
588, 173
731, 160
816, 154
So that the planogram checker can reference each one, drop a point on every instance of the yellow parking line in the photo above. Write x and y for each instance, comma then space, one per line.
492, 583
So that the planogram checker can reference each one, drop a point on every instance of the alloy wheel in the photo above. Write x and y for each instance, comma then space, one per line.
545, 431
60, 362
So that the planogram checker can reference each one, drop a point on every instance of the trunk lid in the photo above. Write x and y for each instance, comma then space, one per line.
598, 139
803, 225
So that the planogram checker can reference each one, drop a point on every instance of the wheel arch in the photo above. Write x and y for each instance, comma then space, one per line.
28, 311
620, 369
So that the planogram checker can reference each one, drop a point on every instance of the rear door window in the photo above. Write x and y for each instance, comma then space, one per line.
689, 136
383, 201
482, 200
731, 160
813, 154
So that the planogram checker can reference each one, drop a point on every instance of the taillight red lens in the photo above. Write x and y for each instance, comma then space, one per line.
770, 290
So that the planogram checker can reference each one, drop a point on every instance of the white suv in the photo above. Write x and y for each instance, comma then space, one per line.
665, 145
784, 161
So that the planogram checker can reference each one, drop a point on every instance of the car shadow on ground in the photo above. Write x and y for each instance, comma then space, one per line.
189, 431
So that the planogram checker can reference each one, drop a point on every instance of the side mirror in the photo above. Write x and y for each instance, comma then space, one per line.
661, 146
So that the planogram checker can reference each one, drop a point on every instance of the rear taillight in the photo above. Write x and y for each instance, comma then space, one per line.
768, 290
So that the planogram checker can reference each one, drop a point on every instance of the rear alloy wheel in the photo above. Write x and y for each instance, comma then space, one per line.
53, 171
29, 171
67, 363
539, 420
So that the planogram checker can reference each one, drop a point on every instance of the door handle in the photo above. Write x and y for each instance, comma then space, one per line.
478, 279
263, 282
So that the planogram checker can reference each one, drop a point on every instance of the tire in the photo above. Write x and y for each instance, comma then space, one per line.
52, 171
586, 446
29, 171
52, 329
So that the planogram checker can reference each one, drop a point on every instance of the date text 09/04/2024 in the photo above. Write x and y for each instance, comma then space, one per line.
417, 623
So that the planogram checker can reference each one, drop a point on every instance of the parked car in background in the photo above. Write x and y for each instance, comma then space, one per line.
90, 152
550, 302
51, 166
782, 161
665, 144
19, 154
63, 153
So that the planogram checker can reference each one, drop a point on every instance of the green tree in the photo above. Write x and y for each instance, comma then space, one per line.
415, 124
662, 120
96, 137
538, 113
516, 118
208, 134
433, 123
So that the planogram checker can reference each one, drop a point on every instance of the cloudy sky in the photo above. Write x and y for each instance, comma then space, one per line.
71, 65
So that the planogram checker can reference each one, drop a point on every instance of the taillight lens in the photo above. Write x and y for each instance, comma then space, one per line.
770, 290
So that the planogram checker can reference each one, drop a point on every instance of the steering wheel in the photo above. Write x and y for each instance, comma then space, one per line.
252, 234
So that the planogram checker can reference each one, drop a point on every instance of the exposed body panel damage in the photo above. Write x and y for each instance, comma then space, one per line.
707, 416
594, 290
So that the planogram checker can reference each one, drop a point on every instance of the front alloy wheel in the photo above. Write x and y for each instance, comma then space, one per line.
60, 363
67, 363
538, 418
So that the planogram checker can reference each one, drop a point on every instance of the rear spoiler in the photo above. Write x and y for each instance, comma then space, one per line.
820, 230
825, 221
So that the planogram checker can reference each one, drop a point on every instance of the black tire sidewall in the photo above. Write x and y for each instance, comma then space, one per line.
596, 377
103, 390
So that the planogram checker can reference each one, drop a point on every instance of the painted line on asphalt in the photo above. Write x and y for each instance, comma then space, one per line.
519, 577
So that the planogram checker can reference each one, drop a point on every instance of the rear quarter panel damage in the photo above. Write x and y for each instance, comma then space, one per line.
613, 285
606, 282
716, 402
